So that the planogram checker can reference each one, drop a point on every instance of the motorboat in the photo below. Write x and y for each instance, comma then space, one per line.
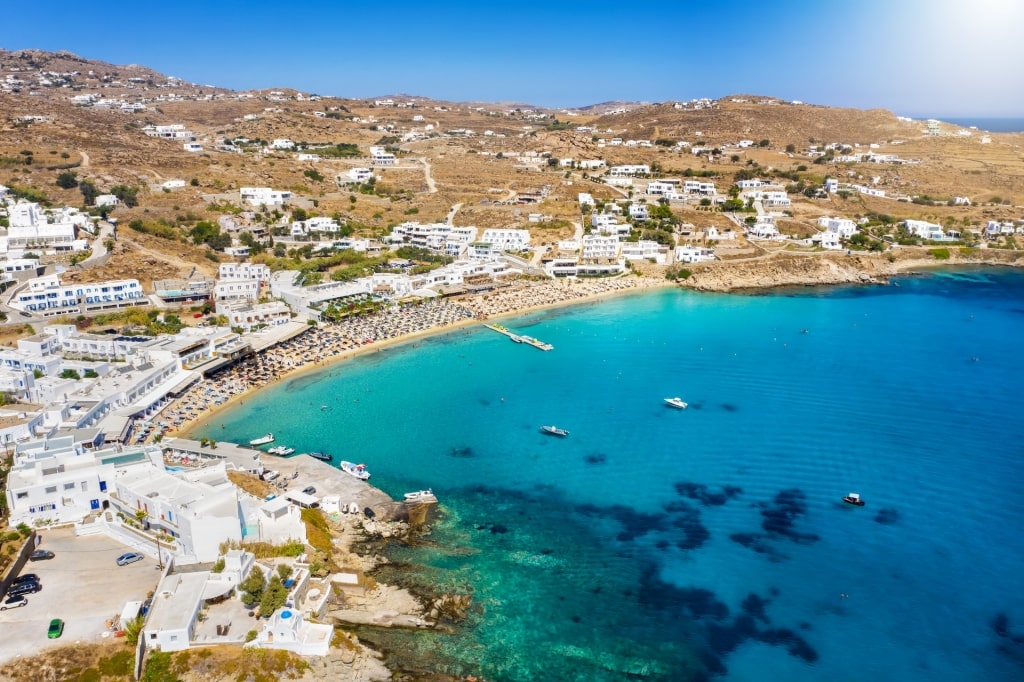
854, 499
515, 338
322, 456
421, 496
676, 402
554, 431
262, 440
357, 470
281, 451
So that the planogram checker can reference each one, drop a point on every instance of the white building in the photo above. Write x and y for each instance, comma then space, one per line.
354, 176
173, 184
629, 170
263, 196
504, 239
844, 227
175, 131
288, 629
282, 143
639, 212
661, 187
47, 296
250, 316
381, 157
644, 250
699, 187
925, 230
585, 199
831, 185
595, 247
106, 200
694, 254
32, 228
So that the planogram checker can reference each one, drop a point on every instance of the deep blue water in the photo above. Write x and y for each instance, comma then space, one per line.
710, 542
992, 125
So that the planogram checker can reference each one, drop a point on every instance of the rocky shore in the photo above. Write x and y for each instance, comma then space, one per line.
811, 269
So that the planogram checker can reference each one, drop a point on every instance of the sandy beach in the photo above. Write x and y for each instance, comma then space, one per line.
330, 343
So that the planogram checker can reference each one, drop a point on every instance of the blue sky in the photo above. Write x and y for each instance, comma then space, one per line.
914, 57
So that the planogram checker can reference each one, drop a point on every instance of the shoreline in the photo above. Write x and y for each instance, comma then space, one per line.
776, 271
189, 428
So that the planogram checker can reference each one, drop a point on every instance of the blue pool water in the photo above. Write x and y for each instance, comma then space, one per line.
712, 542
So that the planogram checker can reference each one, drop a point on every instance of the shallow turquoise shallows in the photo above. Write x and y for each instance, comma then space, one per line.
710, 542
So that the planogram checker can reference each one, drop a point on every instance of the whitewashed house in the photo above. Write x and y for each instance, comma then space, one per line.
844, 227
354, 176
629, 170
379, 156
925, 230
644, 250
106, 200
694, 254
504, 239
639, 212
263, 196
288, 629
594, 247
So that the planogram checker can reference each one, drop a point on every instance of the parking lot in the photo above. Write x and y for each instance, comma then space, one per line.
81, 585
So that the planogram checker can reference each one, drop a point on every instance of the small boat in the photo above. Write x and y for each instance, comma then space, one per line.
516, 338
554, 431
357, 470
421, 496
676, 402
281, 451
262, 440
854, 499
322, 456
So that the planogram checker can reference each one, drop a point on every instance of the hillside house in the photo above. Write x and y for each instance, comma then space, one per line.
629, 170
263, 196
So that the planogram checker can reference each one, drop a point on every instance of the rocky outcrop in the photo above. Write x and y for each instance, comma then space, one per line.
810, 269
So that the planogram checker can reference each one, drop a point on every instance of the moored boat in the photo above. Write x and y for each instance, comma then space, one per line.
554, 431
262, 440
357, 470
421, 496
281, 451
854, 499
322, 456
676, 402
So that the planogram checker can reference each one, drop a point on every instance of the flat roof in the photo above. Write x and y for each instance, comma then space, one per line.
176, 601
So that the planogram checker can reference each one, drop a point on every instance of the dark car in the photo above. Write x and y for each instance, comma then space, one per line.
40, 555
309, 490
23, 588
26, 578
13, 602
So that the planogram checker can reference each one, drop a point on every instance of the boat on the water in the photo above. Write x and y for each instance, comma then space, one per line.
854, 499
281, 451
516, 338
357, 470
554, 431
322, 456
676, 402
262, 440
421, 496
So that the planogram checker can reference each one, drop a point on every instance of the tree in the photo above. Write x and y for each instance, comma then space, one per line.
253, 586
299, 214
127, 195
791, 148
70, 374
274, 596
89, 192
67, 180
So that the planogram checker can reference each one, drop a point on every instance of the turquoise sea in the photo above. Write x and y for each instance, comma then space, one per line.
712, 542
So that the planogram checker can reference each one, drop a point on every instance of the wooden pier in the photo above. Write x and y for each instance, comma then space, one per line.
536, 343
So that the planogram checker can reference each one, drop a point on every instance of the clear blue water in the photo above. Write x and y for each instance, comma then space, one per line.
710, 542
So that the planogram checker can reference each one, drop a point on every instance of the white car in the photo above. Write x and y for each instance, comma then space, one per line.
129, 558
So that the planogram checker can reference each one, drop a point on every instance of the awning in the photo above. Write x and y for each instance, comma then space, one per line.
213, 589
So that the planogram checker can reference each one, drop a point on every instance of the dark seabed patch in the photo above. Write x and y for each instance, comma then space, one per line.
686, 518
634, 524
463, 452
596, 458
729, 407
779, 518
887, 517
706, 496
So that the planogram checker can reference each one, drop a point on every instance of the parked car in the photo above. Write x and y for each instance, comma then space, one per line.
26, 578
309, 490
129, 558
40, 555
13, 602
23, 588
56, 628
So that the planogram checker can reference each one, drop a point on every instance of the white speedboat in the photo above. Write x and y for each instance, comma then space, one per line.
676, 402
262, 440
554, 431
421, 496
281, 451
357, 470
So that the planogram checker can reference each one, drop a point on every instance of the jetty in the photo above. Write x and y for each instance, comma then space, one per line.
518, 338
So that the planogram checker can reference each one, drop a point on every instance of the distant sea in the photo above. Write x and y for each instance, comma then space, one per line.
992, 125
707, 543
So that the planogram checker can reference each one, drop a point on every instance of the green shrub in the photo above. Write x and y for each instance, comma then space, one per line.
939, 254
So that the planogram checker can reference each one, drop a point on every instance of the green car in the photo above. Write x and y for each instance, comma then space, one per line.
56, 628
